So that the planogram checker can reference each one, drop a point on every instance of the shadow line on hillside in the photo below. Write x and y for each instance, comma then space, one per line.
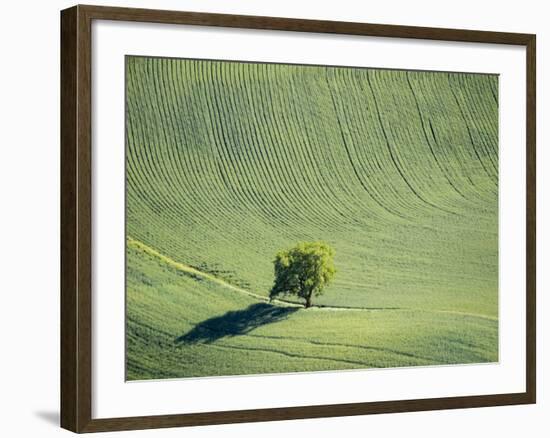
234, 323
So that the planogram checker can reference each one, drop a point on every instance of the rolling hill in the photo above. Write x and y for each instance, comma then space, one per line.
229, 162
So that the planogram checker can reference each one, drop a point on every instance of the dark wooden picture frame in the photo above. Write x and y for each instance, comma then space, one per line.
76, 218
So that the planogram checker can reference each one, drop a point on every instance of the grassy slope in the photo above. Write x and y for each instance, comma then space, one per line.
230, 162
199, 332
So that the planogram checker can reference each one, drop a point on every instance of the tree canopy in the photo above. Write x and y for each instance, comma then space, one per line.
304, 270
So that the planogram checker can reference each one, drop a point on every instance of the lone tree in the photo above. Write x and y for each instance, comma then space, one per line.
304, 271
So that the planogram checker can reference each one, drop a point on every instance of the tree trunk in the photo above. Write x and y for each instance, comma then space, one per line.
308, 301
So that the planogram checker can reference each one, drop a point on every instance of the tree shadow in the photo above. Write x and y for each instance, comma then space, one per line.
235, 323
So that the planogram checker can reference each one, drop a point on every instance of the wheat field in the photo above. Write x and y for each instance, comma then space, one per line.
229, 162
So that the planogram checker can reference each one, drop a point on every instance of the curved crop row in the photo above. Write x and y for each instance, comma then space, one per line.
229, 162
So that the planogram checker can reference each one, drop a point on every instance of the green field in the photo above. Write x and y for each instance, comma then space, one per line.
228, 163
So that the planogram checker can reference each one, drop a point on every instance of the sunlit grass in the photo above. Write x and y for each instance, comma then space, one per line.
227, 163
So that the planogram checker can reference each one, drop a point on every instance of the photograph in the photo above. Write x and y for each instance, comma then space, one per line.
285, 218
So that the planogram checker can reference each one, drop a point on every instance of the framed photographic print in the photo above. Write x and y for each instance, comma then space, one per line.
272, 218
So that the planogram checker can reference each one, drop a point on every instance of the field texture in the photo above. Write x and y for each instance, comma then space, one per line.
228, 163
